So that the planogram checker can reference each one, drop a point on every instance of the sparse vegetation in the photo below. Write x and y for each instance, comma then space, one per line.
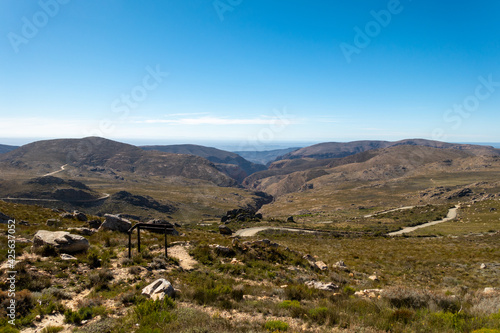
434, 283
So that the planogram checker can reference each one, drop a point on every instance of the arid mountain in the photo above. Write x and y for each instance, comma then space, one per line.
6, 148
231, 164
342, 149
264, 157
120, 178
101, 156
384, 164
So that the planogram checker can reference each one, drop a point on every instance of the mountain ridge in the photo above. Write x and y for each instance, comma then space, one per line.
230, 163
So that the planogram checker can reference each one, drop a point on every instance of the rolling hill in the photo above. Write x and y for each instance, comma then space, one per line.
95, 156
159, 184
376, 165
6, 148
231, 164
343, 149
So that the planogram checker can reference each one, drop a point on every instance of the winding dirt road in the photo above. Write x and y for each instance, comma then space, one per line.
54, 172
248, 232
452, 214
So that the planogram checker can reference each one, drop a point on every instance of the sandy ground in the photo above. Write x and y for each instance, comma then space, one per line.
185, 260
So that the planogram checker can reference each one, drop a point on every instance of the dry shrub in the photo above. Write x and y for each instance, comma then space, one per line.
404, 297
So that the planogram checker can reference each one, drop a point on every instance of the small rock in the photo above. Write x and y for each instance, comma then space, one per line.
321, 285
53, 223
223, 250
373, 278
66, 215
23, 240
83, 231
159, 289
290, 219
94, 224
235, 261
491, 291
65, 256
369, 293
80, 216
225, 230
483, 266
341, 265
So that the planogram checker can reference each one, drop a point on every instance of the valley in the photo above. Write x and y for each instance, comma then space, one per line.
369, 236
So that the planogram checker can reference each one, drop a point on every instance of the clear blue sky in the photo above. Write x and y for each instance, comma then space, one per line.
250, 70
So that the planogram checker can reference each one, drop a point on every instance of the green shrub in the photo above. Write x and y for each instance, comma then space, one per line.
153, 315
31, 280
47, 251
289, 304
402, 315
8, 329
298, 292
93, 260
52, 329
237, 293
348, 290
447, 320
402, 297
99, 279
319, 315
276, 326
84, 313
24, 303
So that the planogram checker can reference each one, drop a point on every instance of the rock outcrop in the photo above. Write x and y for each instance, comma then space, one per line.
240, 215
224, 230
63, 241
159, 289
115, 223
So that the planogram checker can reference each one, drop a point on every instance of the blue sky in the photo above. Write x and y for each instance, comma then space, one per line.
251, 72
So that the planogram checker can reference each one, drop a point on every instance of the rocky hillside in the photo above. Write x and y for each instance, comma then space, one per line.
384, 164
231, 164
101, 156
342, 149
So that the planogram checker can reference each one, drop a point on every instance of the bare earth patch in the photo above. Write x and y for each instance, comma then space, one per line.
186, 261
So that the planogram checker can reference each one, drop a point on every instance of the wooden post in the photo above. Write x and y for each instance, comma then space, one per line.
130, 245
139, 238
165, 232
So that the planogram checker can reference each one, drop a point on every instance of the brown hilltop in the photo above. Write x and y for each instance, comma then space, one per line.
343, 149
95, 154
397, 161
231, 164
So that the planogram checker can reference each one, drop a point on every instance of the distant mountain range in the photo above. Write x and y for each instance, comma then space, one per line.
95, 156
181, 179
265, 157
343, 149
